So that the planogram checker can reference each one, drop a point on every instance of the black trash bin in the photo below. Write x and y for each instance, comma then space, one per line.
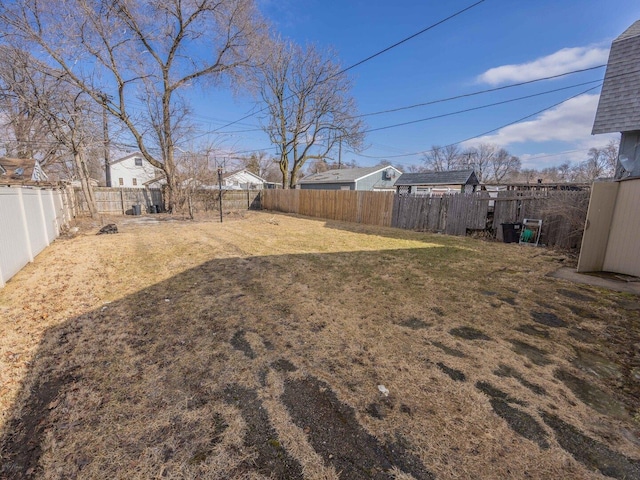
511, 232
152, 209
135, 209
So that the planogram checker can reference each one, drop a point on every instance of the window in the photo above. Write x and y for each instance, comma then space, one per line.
138, 162
135, 181
121, 181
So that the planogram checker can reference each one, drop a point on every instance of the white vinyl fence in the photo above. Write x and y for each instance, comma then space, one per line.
30, 219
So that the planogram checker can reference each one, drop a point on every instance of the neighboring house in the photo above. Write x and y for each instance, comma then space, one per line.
371, 178
132, 171
242, 180
438, 183
21, 170
611, 240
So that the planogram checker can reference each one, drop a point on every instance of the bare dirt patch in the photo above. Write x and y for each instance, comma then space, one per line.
469, 333
256, 349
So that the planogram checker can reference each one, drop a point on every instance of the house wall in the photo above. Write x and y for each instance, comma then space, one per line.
597, 227
623, 247
127, 170
243, 181
30, 219
610, 242
378, 181
327, 186
433, 189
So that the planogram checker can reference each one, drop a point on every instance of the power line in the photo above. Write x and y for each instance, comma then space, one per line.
384, 50
370, 57
504, 87
479, 107
489, 131
526, 117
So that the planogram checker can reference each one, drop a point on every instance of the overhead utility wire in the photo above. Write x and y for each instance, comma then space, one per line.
464, 95
492, 130
370, 57
448, 99
479, 107
526, 117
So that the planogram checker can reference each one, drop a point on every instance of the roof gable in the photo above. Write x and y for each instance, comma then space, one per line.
22, 169
450, 177
130, 156
619, 104
243, 173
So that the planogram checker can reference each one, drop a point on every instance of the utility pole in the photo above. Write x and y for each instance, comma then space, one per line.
105, 129
340, 154
220, 191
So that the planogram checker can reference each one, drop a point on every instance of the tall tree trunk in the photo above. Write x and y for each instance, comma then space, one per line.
284, 170
294, 174
87, 189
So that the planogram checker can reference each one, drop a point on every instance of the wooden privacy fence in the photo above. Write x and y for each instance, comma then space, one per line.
450, 214
208, 200
371, 208
118, 201
563, 212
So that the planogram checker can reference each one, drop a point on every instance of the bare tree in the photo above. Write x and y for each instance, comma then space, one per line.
490, 162
58, 110
24, 130
600, 162
610, 153
140, 50
442, 159
478, 158
502, 165
310, 110
193, 174
260, 163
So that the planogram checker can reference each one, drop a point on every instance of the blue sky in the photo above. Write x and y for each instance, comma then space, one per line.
496, 43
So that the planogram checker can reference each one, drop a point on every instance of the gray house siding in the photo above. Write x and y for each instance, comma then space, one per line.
376, 182
327, 186
368, 178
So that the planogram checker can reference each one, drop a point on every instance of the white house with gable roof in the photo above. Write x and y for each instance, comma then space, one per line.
132, 171
242, 180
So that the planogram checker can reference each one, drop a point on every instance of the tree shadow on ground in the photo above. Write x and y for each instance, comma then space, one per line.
209, 371
171, 380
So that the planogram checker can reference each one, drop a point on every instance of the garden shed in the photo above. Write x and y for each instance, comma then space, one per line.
438, 183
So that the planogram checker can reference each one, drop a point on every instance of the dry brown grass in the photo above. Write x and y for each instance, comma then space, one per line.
143, 354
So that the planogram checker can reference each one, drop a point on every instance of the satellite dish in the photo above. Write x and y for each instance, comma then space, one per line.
626, 163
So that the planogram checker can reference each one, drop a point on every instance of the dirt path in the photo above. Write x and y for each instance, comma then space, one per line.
273, 346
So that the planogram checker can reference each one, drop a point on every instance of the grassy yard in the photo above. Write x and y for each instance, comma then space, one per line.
272, 346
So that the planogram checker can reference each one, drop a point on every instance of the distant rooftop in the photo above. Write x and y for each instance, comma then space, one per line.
21, 169
619, 105
451, 177
347, 175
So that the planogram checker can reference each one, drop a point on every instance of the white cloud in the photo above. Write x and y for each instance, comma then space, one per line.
566, 122
570, 122
562, 61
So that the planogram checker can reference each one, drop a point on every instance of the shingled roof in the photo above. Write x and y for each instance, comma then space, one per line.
345, 175
451, 177
23, 169
619, 105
